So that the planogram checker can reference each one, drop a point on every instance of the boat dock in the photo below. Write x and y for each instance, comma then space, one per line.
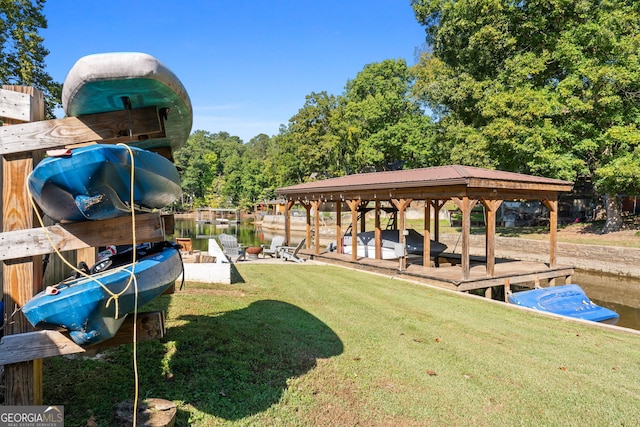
217, 216
447, 274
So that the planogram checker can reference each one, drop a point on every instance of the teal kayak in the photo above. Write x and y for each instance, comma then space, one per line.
85, 307
101, 83
94, 182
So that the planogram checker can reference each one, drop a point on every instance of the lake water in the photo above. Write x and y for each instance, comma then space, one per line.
619, 293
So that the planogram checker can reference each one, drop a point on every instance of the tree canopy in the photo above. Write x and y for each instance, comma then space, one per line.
548, 87
373, 125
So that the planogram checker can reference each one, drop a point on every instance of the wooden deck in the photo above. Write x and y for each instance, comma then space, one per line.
449, 275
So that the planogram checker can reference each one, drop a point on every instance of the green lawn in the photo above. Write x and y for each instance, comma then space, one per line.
314, 345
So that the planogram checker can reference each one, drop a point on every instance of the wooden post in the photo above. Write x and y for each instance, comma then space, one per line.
552, 205
287, 220
316, 226
402, 205
22, 277
353, 205
466, 205
377, 230
426, 254
507, 289
339, 242
437, 207
490, 235
307, 208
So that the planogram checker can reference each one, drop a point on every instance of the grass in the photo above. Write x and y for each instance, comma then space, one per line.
314, 345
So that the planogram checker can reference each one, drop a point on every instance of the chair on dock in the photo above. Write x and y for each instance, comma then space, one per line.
290, 253
231, 248
274, 249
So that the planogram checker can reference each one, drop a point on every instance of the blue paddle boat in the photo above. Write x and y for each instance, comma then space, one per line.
94, 182
87, 308
566, 300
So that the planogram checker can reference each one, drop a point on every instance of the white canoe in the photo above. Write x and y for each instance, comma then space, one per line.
98, 83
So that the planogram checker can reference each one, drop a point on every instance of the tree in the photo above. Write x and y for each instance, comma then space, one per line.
374, 125
385, 125
22, 52
206, 161
545, 87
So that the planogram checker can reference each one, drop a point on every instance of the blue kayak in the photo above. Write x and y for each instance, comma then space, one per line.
566, 300
86, 309
94, 182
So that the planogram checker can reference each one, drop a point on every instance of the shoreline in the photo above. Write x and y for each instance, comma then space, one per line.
614, 260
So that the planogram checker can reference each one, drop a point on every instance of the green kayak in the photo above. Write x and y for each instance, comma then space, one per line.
108, 82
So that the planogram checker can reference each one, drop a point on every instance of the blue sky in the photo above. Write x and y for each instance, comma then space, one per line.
247, 64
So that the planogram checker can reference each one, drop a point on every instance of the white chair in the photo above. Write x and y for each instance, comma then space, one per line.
290, 253
274, 249
232, 248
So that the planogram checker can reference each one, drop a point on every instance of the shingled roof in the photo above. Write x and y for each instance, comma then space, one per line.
434, 182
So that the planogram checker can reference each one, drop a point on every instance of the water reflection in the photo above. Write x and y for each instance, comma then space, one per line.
201, 233
619, 293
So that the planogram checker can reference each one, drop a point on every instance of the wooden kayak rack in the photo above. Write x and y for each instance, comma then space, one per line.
24, 136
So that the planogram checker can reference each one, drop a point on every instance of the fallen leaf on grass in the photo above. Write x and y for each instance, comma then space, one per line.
432, 373
562, 368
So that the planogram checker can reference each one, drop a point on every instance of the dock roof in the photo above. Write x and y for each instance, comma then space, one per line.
435, 182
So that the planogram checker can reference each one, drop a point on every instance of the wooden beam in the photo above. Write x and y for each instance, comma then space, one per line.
507, 289
315, 204
402, 205
47, 343
426, 244
353, 205
21, 277
287, 220
490, 234
112, 127
485, 282
307, 207
339, 242
35, 345
466, 205
79, 235
20, 105
437, 207
552, 205
377, 230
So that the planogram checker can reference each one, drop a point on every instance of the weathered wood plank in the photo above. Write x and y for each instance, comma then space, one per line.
48, 343
22, 277
79, 235
35, 345
15, 105
112, 127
